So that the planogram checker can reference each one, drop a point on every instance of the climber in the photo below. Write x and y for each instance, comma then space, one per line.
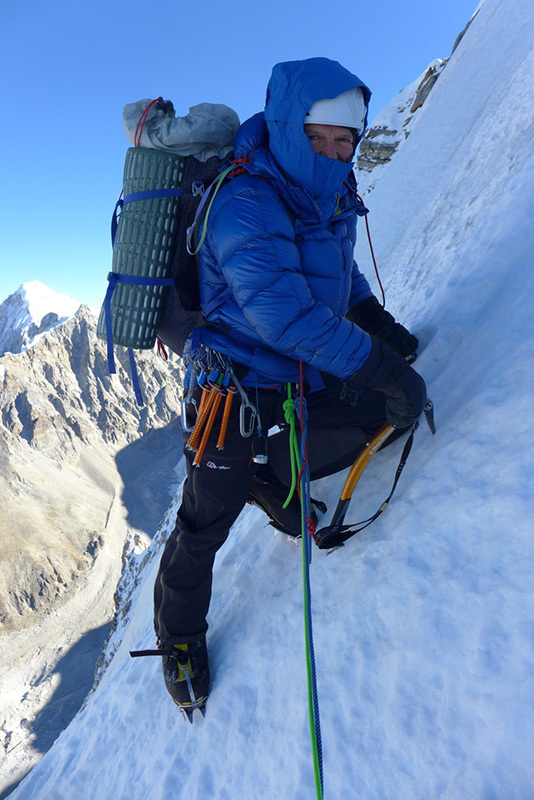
279, 252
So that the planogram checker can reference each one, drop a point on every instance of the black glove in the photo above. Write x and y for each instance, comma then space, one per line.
403, 386
380, 324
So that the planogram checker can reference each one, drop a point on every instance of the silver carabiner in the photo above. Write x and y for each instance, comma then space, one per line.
186, 402
188, 398
245, 403
244, 431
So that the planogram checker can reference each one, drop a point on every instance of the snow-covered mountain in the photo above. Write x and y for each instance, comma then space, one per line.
32, 310
423, 622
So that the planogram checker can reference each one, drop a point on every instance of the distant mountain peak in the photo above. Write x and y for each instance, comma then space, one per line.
32, 310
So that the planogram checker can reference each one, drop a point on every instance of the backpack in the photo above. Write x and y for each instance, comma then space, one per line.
153, 291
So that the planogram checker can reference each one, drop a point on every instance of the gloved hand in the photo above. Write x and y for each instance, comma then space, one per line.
380, 324
403, 386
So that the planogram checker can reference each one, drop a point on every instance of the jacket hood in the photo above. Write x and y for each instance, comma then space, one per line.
294, 87
279, 132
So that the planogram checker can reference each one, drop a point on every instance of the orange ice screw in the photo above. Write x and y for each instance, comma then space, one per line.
205, 393
204, 410
226, 418
209, 425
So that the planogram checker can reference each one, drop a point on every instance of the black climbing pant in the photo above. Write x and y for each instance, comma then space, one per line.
215, 492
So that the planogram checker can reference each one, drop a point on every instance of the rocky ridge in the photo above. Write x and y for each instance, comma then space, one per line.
393, 125
66, 430
390, 129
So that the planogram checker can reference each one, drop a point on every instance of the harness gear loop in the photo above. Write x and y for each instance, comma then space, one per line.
217, 379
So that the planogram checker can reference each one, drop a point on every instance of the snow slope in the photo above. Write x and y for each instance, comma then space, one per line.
424, 623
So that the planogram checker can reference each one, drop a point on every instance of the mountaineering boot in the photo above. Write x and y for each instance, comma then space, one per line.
187, 676
270, 497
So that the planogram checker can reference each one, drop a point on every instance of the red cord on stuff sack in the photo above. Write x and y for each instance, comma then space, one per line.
142, 120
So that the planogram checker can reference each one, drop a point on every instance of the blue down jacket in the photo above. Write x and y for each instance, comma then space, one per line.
277, 267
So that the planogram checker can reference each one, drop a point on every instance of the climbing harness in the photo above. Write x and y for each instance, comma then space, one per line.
216, 377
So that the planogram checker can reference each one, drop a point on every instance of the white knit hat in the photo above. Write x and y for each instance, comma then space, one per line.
346, 110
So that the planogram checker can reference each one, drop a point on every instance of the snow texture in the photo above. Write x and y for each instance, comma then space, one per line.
424, 623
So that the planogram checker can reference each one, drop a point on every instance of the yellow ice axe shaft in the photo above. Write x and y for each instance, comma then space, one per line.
334, 533
363, 459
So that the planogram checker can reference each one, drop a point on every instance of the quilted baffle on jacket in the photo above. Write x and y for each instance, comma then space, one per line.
280, 241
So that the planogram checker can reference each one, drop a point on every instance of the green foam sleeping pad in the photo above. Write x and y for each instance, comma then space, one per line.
144, 246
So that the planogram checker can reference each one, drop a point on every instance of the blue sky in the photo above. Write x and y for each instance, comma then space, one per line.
68, 69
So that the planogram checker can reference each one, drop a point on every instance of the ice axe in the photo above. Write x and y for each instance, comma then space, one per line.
336, 533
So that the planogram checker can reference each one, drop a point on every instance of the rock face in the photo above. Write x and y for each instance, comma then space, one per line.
69, 435
393, 125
